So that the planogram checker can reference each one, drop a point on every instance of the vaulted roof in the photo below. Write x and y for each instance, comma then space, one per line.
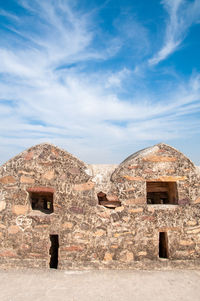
37, 150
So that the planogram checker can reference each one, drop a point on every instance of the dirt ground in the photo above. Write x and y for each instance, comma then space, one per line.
101, 285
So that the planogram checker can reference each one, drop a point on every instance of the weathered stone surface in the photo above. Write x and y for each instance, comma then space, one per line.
192, 223
126, 256
197, 201
142, 253
133, 166
2, 205
151, 209
13, 229
100, 233
184, 201
67, 225
74, 171
167, 229
108, 256
7, 253
84, 186
27, 180
119, 209
28, 156
193, 230
91, 235
42, 226
154, 158
73, 249
49, 175
76, 210
112, 197
19, 209
135, 210
7, 180
129, 256
41, 189
186, 243
130, 178
136, 201
168, 179
122, 233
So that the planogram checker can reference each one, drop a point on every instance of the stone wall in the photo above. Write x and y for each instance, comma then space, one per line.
90, 235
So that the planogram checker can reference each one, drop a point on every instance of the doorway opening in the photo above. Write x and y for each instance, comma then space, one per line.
163, 245
53, 251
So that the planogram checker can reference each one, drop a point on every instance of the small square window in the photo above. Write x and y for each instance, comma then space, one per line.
162, 193
42, 201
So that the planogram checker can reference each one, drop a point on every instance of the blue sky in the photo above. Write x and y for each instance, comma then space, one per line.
101, 79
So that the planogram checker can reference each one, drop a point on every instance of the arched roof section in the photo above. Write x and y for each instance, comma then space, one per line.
158, 153
43, 154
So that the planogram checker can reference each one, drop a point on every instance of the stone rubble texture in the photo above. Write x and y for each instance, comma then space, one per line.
92, 236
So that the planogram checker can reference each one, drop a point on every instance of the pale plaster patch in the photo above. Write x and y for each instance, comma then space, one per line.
23, 222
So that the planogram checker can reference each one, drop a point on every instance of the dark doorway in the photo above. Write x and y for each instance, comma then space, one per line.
163, 245
54, 251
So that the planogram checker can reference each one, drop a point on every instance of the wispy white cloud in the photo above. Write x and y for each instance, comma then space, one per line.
47, 94
182, 15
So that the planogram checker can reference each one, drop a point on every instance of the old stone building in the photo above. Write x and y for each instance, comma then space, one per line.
58, 212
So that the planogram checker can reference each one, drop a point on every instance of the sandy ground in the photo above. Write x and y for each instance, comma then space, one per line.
99, 285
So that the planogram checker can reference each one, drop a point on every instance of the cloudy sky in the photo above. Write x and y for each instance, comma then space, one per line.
101, 79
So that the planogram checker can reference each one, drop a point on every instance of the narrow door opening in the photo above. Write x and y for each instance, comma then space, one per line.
163, 245
53, 251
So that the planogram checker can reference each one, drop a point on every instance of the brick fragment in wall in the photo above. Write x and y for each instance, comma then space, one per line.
19, 209
13, 229
27, 180
49, 175
197, 201
154, 158
136, 201
168, 179
73, 248
130, 178
84, 186
41, 189
7, 180
2, 205
186, 243
136, 210
28, 156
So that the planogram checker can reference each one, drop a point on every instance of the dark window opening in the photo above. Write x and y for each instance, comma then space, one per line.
162, 193
42, 201
163, 245
111, 203
53, 251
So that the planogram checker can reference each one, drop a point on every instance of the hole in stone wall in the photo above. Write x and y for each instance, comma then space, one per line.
162, 193
53, 251
163, 245
108, 203
42, 201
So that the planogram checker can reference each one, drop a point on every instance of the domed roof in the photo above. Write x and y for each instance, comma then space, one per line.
37, 150
156, 152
